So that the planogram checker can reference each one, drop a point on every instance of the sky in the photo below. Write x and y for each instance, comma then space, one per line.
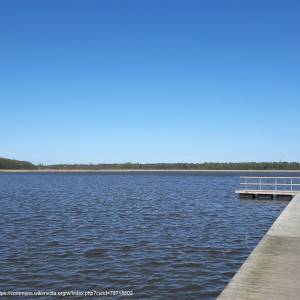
108, 81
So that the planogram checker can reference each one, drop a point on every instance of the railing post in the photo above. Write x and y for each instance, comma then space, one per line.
275, 184
291, 184
260, 183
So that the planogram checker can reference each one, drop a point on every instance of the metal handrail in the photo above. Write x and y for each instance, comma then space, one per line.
277, 177
274, 183
258, 183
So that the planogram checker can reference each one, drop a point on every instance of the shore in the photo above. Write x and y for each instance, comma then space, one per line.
142, 170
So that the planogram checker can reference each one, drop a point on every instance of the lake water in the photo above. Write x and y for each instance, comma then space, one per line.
160, 235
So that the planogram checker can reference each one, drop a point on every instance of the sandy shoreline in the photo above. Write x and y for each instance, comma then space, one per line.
141, 170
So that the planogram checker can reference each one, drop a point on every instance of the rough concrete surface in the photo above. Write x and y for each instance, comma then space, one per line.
272, 271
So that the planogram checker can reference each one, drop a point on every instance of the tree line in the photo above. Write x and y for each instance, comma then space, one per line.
17, 165
13, 164
182, 166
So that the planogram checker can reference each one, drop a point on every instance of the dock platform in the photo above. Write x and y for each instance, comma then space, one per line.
268, 187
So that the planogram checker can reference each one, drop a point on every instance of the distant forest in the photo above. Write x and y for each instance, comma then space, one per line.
13, 164
184, 166
17, 165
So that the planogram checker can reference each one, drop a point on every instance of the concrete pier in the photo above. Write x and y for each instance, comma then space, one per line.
272, 271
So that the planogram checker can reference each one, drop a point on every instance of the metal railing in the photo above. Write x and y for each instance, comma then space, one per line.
273, 183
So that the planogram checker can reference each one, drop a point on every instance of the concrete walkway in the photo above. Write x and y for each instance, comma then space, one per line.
272, 271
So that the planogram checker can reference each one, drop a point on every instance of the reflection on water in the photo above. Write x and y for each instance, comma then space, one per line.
164, 236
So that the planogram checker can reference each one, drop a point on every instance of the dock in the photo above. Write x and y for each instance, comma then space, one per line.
268, 187
272, 271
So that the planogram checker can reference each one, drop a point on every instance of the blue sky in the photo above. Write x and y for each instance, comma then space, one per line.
149, 81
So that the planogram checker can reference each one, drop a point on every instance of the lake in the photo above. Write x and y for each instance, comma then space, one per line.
177, 235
